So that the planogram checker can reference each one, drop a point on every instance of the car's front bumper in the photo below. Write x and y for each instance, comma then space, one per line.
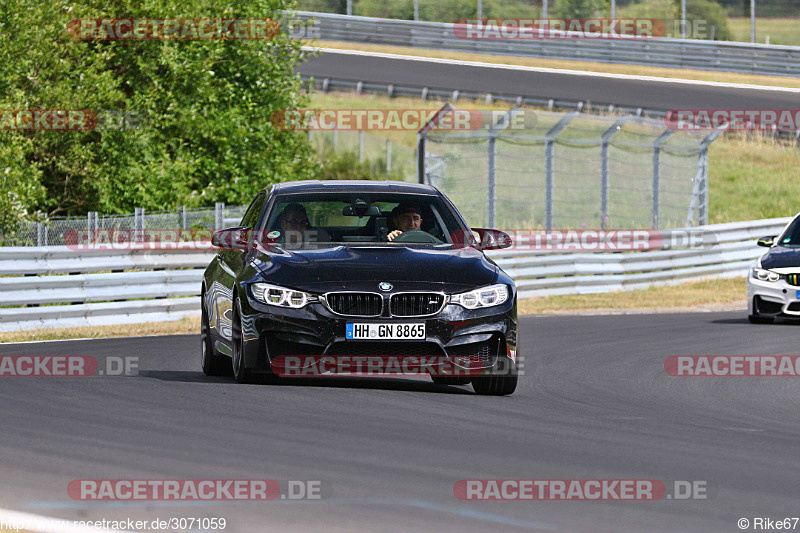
772, 299
482, 339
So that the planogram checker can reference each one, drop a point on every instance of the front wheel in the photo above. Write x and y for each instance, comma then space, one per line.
240, 373
755, 319
496, 385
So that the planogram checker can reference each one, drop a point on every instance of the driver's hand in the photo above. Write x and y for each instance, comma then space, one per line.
393, 235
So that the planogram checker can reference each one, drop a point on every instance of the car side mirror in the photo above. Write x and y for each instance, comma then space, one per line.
232, 239
766, 242
492, 239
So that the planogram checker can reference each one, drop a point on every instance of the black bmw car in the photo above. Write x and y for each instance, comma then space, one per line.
334, 269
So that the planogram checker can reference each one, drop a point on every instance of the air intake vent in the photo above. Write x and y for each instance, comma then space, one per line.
355, 303
409, 304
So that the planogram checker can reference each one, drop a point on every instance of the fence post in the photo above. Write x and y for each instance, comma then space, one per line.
91, 221
138, 224
420, 157
491, 187
549, 149
656, 209
219, 216
388, 156
491, 171
702, 214
184, 221
700, 192
40, 240
360, 146
446, 108
604, 181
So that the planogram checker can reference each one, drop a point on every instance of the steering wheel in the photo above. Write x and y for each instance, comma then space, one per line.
417, 235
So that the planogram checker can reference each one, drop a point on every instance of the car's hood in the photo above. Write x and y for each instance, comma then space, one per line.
363, 267
781, 257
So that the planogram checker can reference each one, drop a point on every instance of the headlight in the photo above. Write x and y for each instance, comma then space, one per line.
766, 275
484, 297
280, 296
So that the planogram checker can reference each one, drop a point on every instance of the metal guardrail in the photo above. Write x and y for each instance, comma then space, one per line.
545, 273
57, 286
63, 287
749, 58
454, 94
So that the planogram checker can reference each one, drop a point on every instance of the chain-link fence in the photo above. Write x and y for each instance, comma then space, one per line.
384, 158
555, 170
52, 231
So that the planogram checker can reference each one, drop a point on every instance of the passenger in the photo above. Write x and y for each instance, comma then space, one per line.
296, 227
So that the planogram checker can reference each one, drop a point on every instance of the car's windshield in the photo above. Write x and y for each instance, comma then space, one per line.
791, 237
355, 217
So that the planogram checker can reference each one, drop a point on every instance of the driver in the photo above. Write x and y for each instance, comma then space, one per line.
404, 217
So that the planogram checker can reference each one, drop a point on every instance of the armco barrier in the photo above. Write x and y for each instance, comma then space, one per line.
747, 58
97, 287
544, 273
60, 287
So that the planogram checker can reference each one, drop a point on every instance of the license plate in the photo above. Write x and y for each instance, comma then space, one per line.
356, 331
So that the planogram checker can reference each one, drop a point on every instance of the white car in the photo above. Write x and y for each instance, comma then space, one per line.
773, 284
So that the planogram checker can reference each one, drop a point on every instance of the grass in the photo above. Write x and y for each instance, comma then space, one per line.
704, 294
611, 68
780, 30
175, 327
751, 180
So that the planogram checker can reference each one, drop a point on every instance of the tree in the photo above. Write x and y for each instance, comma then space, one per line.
708, 11
580, 9
203, 108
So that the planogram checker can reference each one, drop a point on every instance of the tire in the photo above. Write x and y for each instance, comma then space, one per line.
755, 319
212, 363
451, 380
240, 373
496, 385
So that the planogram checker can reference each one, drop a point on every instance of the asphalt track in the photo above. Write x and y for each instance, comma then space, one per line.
647, 94
595, 403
